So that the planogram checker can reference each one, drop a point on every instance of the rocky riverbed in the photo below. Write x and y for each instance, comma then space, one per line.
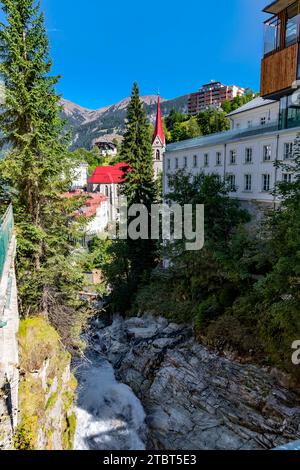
193, 398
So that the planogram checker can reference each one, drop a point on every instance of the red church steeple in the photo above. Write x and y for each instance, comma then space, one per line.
159, 130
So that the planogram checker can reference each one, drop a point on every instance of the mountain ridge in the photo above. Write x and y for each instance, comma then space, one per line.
108, 122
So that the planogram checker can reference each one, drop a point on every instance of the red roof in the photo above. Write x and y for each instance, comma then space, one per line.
109, 174
91, 204
159, 130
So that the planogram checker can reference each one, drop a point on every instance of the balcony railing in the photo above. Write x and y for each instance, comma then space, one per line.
278, 35
6, 231
272, 34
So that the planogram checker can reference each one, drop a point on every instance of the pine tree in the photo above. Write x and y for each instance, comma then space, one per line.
37, 164
139, 186
136, 150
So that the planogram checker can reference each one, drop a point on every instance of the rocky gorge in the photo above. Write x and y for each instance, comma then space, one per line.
192, 398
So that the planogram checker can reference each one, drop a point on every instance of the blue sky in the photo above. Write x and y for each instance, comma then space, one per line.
101, 46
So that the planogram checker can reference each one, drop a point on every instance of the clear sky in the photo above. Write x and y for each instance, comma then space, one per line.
101, 46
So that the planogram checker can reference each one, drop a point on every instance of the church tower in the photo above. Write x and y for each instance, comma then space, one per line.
158, 143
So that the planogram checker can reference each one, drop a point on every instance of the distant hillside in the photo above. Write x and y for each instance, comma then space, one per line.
88, 126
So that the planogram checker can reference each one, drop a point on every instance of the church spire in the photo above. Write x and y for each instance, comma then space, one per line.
159, 130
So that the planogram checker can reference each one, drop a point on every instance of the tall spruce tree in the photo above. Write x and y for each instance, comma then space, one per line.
37, 164
139, 186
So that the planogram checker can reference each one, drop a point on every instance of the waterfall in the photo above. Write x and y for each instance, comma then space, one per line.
109, 415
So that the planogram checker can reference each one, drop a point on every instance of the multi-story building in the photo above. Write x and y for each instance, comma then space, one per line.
262, 131
280, 69
95, 208
212, 95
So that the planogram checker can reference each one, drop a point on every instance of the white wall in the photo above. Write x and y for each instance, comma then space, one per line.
158, 164
256, 169
252, 118
99, 223
111, 191
80, 175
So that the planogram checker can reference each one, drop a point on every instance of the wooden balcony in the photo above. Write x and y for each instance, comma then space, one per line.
279, 71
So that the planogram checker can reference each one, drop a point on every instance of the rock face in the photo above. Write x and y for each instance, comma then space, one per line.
46, 390
193, 398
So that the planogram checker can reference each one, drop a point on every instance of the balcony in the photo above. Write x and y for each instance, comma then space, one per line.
279, 71
280, 64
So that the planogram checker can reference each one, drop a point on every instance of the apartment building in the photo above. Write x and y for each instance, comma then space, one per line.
212, 95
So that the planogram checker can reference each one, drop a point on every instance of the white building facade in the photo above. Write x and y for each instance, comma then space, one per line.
99, 222
80, 176
245, 155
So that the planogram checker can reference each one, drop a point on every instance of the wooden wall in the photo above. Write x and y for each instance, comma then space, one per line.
279, 70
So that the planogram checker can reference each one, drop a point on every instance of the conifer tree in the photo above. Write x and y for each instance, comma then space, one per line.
136, 149
139, 185
37, 164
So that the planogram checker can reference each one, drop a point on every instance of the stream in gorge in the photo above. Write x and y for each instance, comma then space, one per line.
178, 394
109, 415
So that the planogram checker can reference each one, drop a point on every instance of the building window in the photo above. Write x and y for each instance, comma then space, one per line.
267, 153
158, 155
288, 151
249, 124
206, 159
248, 155
195, 159
176, 163
233, 155
231, 181
185, 162
168, 164
291, 24
272, 35
218, 158
237, 126
289, 115
263, 121
248, 182
287, 177
266, 179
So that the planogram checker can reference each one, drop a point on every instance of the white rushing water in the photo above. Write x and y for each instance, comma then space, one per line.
109, 415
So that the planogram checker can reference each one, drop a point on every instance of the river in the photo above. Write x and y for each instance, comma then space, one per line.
109, 415
195, 398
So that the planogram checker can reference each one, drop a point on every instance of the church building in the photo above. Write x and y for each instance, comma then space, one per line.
158, 142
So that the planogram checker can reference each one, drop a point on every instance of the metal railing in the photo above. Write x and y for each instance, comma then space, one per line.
6, 231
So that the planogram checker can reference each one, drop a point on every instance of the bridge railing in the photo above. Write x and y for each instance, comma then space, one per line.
6, 231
